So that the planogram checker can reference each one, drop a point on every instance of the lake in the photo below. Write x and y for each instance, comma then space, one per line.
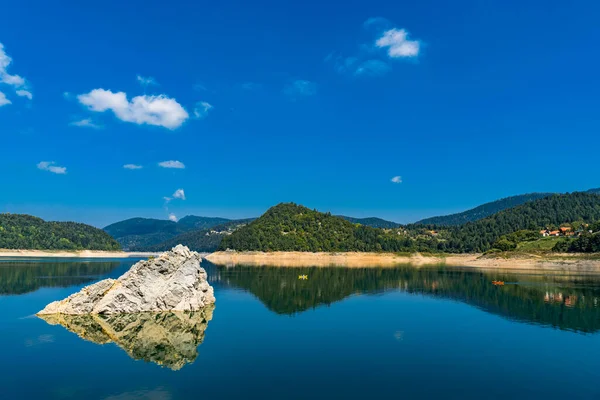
368, 333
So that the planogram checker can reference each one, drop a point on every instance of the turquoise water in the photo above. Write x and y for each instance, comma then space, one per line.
342, 333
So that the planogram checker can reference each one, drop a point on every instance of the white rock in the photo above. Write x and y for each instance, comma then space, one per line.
174, 281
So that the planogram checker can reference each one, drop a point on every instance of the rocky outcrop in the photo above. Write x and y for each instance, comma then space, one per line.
169, 339
174, 281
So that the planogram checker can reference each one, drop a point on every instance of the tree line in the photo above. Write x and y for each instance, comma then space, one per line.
290, 227
19, 231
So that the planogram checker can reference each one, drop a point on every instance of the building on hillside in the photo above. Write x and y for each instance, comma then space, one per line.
566, 231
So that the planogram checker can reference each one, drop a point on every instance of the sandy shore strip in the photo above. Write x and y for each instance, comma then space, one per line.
73, 254
566, 262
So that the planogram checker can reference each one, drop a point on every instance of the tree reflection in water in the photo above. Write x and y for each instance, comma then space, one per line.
569, 302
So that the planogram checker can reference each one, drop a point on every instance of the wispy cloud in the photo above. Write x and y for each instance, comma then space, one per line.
397, 44
300, 88
396, 179
15, 81
373, 57
152, 110
147, 81
200, 87
3, 100
372, 68
251, 86
67, 95
132, 166
24, 93
179, 194
172, 217
355, 67
202, 108
86, 123
172, 164
51, 166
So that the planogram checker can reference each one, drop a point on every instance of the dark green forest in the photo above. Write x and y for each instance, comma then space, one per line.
482, 211
19, 231
290, 227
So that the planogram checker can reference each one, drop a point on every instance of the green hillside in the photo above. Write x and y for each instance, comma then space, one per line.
553, 210
482, 211
20, 231
290, 227
373, 222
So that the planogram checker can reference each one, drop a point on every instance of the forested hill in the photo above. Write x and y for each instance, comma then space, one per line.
289, 227
553, 210
20, 231
482, 211
373, 222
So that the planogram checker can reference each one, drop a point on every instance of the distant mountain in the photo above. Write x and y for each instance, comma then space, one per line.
20, 231
203, 240
373, 222
138, 234
193, 223
483, 211
594, 191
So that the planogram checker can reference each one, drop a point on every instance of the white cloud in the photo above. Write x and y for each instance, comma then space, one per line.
152, 110
147, 81
300, 87
25, 93
85, 123
13, 80
202, 109
132, 166
51, 167
3, 100
368, 62
172, 164
67, 95
172, 217
397, 44
179, 194
396, 179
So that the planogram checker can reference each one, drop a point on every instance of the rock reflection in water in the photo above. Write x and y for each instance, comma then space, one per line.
169, 339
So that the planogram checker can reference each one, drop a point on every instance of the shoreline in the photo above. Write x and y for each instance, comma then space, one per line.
72, 254
564, 262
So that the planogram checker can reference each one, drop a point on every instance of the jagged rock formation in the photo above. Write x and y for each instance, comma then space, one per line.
169, 339
174, 281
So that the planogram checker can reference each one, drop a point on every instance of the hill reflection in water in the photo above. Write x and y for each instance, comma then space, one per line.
561, 301
169, 339
20, 277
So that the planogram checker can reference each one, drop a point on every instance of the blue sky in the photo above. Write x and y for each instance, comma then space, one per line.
320, 103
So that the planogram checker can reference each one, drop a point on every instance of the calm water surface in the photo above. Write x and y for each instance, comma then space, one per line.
341, 334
